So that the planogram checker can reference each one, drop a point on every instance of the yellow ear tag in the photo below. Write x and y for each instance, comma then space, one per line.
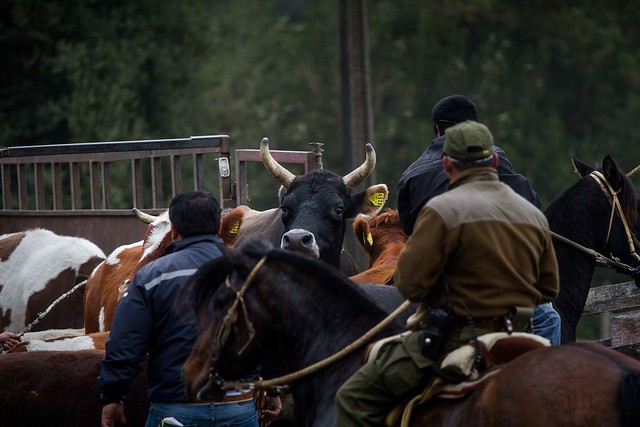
369, 239
377, 199
234, 228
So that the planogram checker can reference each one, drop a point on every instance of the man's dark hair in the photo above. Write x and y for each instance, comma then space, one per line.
452, 110
194, 213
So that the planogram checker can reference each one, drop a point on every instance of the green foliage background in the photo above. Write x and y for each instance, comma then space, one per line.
550, 78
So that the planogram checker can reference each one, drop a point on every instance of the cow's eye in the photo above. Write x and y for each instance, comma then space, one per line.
285, 210
339, 210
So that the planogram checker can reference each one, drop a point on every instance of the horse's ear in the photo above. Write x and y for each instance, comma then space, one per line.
580, 167
611, 172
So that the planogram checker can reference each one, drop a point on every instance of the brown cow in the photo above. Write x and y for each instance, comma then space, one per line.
38, 266
382, 238
111, 278
59, 389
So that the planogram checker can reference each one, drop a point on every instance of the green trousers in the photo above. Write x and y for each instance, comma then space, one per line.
399, 372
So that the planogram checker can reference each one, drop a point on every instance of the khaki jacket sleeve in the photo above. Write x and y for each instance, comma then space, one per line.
423, 257
548, 281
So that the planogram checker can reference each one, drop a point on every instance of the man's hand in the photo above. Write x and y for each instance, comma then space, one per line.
111, 413
274, 406
8, 340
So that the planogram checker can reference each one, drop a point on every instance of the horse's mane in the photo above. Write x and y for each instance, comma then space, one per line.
316, 270
205, 282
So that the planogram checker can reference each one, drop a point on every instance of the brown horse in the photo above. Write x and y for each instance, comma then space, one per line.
300, 311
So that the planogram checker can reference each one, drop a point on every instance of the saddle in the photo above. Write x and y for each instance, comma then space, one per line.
496, 349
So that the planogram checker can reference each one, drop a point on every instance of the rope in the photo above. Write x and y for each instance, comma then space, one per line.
596, 255
53, 304
322, 363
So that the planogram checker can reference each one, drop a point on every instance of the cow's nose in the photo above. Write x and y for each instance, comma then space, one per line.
302, 241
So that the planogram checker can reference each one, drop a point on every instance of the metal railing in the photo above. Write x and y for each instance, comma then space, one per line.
58, 177
89, 189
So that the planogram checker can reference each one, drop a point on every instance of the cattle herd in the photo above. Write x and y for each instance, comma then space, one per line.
50, 377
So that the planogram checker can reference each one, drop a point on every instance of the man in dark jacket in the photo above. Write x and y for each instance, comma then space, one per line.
150, 320
425, 178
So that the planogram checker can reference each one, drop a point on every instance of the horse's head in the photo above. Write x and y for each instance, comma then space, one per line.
620, 240
229, 320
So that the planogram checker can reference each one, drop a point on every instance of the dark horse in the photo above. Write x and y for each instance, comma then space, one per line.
301, 311
582, 213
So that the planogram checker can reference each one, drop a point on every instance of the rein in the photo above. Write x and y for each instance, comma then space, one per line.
616, 208
301, 373
232, 316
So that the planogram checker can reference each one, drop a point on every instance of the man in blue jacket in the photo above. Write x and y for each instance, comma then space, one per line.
425, 178
150, 320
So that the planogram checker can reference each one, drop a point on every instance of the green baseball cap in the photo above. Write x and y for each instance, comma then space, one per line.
468, 141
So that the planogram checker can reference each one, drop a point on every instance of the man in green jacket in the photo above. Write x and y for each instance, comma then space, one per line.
489, 250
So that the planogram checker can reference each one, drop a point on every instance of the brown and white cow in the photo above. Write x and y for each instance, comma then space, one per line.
106, 285
382, 238
38, 266
59, 389
111, 278
95, 341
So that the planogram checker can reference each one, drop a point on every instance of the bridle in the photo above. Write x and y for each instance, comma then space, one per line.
616, 209
228, 321
215, 380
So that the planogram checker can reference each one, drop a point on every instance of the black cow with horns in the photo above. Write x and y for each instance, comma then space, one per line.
314, 209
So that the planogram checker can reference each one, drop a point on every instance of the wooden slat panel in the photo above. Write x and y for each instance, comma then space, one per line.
39, 186
106, 185
612, 297
156, 183
106, 228
6, 187
224, 185
137, 184
227, 198
94, 154
23, 194
215, 141
177, 184
76, 190
95, 179
198, 172
107, 157
625, 328
56, 179
242, 184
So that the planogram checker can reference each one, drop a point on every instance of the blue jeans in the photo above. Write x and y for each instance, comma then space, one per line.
546, 323
232, 414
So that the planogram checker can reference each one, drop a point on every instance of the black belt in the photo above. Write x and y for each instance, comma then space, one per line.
495, 323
